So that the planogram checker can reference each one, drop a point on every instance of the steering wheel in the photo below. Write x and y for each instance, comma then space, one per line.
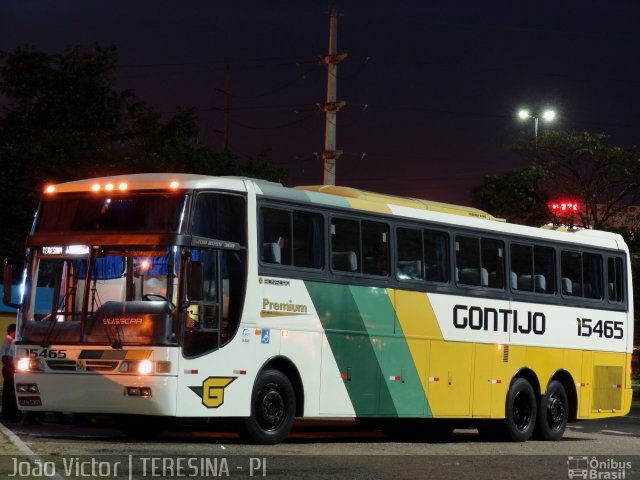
150, 296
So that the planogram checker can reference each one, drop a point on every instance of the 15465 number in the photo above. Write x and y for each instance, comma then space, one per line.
35, 353
601, 328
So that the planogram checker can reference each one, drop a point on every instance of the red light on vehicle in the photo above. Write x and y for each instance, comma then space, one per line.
564, 206
50, 188
95, 187
144, 265
174, 185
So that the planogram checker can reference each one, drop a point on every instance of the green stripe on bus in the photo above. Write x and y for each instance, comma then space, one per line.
392, 351
369, 347
353, 349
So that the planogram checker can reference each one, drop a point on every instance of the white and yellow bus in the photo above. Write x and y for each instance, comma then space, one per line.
159, 296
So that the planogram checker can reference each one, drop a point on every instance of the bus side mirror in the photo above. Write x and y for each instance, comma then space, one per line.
10, 285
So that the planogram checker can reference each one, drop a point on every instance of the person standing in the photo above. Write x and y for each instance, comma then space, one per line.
9, 406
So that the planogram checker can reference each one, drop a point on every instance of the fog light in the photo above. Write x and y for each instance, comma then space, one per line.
138, 392
27, 388
133, 391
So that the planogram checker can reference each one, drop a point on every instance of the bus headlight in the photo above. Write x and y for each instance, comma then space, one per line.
23, 364
26, 364
145, 367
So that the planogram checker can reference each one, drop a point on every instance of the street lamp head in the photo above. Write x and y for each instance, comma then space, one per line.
549, 115
524, 114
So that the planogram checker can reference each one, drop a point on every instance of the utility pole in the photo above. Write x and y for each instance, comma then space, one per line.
227, 95
331, 107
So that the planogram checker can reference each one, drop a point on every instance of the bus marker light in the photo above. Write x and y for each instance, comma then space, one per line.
145, 392
95, 187
240, 372
343, 376
191, 372
108, 187
495, 381
163, 367
395, 378
434, 379
174, 184
122, 186
500, 347
284, 333
50, 189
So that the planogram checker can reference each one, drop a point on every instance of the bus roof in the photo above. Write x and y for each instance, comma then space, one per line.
400, 201
338, 196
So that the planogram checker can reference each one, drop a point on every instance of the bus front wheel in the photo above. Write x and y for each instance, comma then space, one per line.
553, 414
520, 411
273, 408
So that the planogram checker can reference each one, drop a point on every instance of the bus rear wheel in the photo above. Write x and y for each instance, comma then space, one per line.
273, 407
554, 413
520, 411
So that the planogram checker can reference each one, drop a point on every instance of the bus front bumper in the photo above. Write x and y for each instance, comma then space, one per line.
97, 394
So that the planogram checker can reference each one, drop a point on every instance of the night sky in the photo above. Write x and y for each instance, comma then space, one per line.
432, 87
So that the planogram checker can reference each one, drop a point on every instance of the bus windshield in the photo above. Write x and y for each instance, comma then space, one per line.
155, 212
101, 295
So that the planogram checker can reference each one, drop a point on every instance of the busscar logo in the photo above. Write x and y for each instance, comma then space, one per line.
212, 391
122, 321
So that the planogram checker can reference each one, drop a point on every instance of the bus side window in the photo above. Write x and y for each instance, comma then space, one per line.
615, 279
468, 261
308, 248
571, 273
409, 254
276, 236
436, 256
592, 275
345, 245
375, 248
544, 265
493, 262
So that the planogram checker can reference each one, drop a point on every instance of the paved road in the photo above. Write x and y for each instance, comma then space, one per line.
345, 450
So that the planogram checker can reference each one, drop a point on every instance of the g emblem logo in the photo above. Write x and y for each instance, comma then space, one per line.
213, 390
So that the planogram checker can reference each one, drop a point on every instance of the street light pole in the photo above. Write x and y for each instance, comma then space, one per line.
548, 115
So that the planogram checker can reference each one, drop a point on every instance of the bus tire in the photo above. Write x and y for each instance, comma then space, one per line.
553, 413
273, 409
520, 411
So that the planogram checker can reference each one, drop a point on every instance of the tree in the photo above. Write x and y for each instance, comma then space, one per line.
515, 196
604, 179
64, 119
